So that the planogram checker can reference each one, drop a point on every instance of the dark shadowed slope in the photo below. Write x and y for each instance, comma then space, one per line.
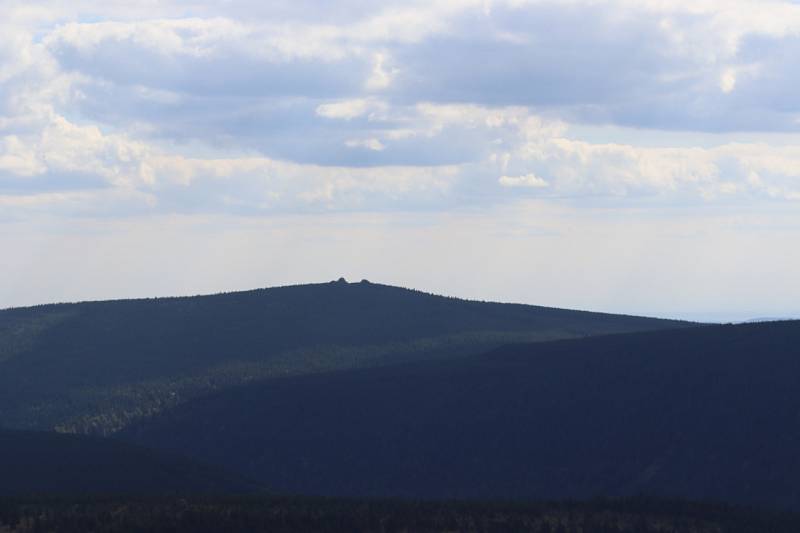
94, 367
49, 463
701, 413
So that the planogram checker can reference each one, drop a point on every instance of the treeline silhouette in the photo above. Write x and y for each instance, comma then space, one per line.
96, 367
282, 514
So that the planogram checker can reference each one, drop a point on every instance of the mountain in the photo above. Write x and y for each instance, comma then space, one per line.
96, 367
50, 463
701, 413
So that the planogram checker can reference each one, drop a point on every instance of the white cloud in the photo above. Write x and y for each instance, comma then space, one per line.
727, 82
528, 180
347, 109
19, 159
529, 153
381, 77
370, 144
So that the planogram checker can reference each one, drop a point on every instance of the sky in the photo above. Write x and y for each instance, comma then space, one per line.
634, 156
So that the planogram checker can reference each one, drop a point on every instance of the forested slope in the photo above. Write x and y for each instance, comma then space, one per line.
702, 413
95, 367
50, 463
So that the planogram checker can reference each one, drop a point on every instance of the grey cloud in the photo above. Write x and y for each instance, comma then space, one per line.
543, 56
282, 128
596, 63
339, 12
231, 75
772, 82
593, 64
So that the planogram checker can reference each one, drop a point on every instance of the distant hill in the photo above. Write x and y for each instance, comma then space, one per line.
96, 367
49, 463
700, 413
767, 319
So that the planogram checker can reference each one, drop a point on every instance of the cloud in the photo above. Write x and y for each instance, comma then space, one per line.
528, 180
536, 53
727, 81
296, 106
18, 159
381, 76
532, 155
211, 58
346, 109
369, 144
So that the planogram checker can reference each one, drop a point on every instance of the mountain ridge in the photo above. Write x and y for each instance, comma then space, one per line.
108, 363
340, 282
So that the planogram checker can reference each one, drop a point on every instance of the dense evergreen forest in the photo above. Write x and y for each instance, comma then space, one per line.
271, 514
205, 405
51, 463
698, 413
96, 367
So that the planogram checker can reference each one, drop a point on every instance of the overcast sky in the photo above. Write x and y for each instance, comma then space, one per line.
638, 156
